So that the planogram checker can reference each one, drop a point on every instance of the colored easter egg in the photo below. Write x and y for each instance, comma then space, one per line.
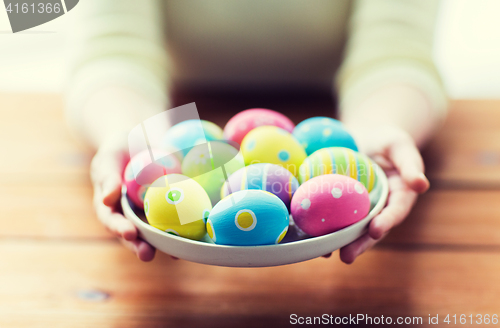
243, 122
142, 170
247, 218
322, 132
187, 134
339, 160
328, 203
178, 205
264, 176
210, 165
270, 144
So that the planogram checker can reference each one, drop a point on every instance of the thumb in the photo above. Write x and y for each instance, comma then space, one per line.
106, 173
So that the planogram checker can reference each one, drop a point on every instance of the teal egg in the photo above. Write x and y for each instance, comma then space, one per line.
321, 132
187, 134
248, 218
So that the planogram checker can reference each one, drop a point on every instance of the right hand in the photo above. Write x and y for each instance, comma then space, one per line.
106, 174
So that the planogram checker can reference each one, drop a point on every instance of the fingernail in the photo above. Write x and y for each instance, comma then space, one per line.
425, 187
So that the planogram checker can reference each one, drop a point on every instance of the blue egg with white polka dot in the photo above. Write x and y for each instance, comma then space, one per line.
248, 218
187, 134
321, 132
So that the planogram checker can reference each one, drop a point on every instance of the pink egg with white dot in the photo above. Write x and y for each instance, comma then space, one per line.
144, 168
243, 122
328, 203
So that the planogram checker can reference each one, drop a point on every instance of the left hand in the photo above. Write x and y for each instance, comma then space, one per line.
106, 173
397, 154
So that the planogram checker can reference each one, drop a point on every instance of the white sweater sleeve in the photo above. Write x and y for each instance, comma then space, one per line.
390, 41
115, 43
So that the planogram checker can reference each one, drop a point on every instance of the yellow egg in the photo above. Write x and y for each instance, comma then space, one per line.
270, 144
178, 205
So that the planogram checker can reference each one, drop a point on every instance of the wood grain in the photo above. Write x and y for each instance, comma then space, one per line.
40, 284
466, 151
466, 218
39, 147
49, 212
60, 268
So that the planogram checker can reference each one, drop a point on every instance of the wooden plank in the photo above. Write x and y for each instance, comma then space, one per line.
474, 114
44, 185
447, 217
466, 151
39, 146
43, 283
49, 212
47, 276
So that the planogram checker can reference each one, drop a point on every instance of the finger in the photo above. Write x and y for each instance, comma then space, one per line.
124, 229
143, 250
383, 162
105, 162
115, 222
120, 226
111, 189
106, 173
401, 200
407, 159
350, 252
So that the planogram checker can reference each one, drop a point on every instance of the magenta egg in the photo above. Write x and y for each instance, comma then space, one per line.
243, 122
328, 203
142, 170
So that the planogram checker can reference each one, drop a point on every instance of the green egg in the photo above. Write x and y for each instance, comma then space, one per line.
339, 160
211, 164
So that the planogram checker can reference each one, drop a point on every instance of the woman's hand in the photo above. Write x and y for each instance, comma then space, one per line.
395, 151
106, 172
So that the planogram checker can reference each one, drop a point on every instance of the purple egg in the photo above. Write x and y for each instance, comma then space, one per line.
263, 176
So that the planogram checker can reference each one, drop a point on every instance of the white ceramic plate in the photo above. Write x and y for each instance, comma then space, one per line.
296, 247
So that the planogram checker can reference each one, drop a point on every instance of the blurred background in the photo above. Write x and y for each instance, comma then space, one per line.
467, 51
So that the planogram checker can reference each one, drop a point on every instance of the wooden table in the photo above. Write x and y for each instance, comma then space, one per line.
60, 268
